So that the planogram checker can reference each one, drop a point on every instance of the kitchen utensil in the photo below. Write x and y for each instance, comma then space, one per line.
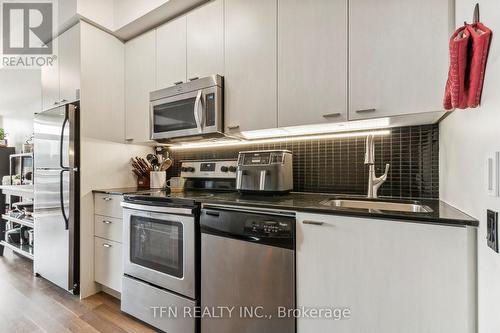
176, 184
158, 179
167, 163
153, 160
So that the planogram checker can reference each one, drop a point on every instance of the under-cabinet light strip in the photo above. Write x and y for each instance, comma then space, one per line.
235, 143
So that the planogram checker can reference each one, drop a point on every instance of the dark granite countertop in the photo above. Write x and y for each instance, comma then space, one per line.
125, 190
442, 213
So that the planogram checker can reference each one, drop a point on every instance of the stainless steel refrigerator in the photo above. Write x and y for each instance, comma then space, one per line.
56, 203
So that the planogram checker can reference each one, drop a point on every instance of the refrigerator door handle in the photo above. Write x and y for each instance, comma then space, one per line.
61, 144
61, 197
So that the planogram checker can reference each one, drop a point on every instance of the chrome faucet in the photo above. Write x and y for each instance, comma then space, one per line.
374, 182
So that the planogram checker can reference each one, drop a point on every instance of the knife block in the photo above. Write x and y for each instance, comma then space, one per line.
143, 182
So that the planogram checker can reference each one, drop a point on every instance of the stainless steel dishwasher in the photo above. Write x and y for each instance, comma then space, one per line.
247, 265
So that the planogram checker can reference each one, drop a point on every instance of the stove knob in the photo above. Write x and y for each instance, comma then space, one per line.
232, 169
184, 169
224, 169
190, 169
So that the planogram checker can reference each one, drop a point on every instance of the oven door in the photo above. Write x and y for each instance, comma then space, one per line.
159, 248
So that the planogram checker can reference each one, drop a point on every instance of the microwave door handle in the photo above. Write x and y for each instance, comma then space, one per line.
198, 111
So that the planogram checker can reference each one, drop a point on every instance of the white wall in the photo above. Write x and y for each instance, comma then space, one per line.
466, 138
18, 128
20, 98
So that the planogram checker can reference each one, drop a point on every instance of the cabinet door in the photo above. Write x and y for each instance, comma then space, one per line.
205, 40
393, 276
140, 79
102, 85
312, 62
69, 64
250, 56
50, 83
398, 56
108, 269
171, 53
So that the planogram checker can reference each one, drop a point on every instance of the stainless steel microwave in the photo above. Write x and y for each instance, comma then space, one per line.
193, 109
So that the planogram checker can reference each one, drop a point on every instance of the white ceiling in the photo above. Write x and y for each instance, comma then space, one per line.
20, 91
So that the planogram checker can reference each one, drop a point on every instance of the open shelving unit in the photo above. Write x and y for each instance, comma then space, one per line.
23, 249
14, 194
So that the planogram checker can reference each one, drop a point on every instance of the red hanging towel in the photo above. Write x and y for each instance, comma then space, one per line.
469, 47
480, 42
455, 96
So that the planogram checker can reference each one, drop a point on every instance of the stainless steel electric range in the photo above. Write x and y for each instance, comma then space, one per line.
161, 282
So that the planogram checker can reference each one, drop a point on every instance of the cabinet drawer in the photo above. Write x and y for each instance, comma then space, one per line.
108, 205
108, 266
108, 227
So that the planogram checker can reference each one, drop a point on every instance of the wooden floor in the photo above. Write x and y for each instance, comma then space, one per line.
31, 304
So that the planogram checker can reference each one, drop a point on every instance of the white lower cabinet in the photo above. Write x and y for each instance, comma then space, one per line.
108, 266
108, 225
392, 276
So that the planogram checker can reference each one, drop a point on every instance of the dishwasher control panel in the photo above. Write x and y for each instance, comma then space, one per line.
250, 225
268, 228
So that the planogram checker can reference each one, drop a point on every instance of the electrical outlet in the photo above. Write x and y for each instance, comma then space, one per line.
492, 231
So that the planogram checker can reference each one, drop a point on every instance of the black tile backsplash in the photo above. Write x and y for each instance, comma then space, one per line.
337, 165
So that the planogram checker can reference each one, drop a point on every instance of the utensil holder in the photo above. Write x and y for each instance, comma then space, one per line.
158, 179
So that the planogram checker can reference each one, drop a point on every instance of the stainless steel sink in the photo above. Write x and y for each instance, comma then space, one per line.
413, 207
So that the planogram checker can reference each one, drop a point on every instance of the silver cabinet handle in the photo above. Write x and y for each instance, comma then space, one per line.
233, 127
63, 100
107, 198
312, 222
332, 115
366, 111
194, 78
107, 245
178, 82
107, 222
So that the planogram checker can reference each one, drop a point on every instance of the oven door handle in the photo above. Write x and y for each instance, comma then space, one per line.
158, 209
198, 111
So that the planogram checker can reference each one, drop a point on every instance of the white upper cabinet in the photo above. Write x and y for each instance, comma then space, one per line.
50, 83
398, 56
312, 62
393, 276
69, 65
205, 40
250, 65
102, 81
61, 81
140, 74
171, 53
